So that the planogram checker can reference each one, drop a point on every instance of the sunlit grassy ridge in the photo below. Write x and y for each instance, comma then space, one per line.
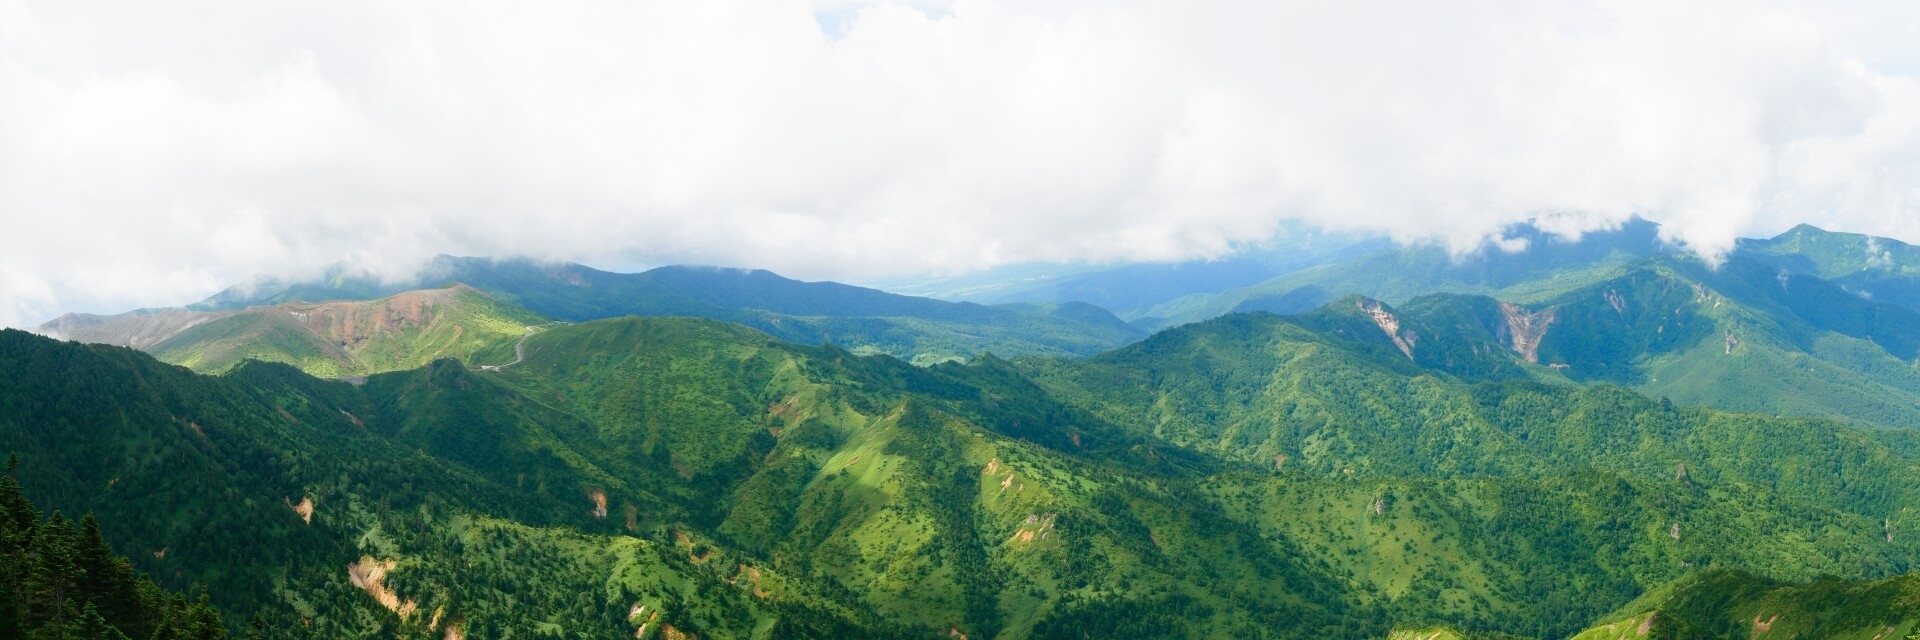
337, 339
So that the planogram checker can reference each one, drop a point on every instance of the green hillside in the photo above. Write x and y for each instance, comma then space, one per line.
337, 339
1734, 604
1883, 269
1240, 478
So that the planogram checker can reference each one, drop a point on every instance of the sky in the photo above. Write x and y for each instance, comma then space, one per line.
153, 153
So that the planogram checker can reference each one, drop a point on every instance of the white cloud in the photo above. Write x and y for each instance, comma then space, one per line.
151, 153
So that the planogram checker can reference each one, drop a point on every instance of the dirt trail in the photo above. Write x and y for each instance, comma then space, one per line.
519, 348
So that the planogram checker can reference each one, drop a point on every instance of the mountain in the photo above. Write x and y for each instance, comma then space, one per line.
1881, 269
1620, 307
872, 321
331, 339
1129, 289
1738, 338
1546, 264
1243, 476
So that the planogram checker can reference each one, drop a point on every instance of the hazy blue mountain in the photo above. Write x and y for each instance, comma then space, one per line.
1882, 269
1128, 289
1548, 265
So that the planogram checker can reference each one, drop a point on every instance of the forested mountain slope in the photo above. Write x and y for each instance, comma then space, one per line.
1881, 269
59, 578
707, 477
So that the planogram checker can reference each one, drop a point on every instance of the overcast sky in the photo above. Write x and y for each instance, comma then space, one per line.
153, 152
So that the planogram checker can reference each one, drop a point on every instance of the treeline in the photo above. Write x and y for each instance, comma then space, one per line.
60, 579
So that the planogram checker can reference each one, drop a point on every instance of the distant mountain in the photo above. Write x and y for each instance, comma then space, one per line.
1547, 265
139, 329
1737, 338
1130, 289
868, 320
331, 339
1880, 269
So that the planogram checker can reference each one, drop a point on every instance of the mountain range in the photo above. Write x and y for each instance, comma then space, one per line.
1602, 438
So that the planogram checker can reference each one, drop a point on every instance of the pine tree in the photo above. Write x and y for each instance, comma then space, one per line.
94, 627
203, 621
108, 580
12, 572
53, 581
20, 513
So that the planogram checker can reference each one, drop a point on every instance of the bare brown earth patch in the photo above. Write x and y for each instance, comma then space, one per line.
369, 575
1525, 330
305, 508
1760, 626
1647, 624
599, 499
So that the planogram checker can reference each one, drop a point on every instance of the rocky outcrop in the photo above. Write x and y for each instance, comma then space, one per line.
370, 575
1391, 325
1525, 329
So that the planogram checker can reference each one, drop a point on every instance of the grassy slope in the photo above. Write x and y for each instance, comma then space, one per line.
339, 339
1732, 604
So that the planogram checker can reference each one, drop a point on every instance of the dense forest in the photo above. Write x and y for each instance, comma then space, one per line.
62, 580
1254, 476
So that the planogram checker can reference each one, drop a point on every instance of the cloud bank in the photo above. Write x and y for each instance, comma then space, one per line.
152, 153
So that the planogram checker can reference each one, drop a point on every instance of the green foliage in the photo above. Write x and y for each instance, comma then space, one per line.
1737, 604
59, 580
1254, 476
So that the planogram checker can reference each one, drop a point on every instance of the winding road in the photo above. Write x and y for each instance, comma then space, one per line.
519, 348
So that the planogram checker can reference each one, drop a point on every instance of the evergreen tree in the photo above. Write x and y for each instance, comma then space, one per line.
53, 580
108, 579
94, 627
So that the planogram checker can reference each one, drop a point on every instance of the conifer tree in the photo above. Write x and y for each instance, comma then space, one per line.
53, 580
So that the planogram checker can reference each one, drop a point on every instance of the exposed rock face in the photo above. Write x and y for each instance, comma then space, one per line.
350, 323
1617, 301
370, 575
1732, 342
1391, 325
304, 508
1525, 330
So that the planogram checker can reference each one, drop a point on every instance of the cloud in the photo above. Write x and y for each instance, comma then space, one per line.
151, 154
